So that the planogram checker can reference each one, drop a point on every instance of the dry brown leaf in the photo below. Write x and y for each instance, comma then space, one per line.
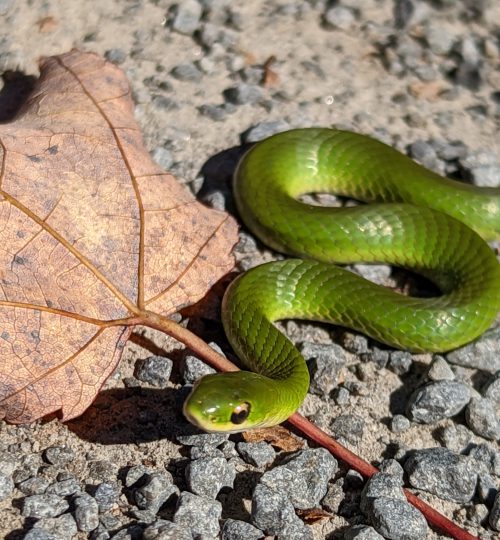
278, 436
312, 515
94, 237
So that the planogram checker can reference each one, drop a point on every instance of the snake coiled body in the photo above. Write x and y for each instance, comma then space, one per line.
429, 224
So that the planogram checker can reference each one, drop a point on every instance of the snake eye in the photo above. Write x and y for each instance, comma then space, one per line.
240, 413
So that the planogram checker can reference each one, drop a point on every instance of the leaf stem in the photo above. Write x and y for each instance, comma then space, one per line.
204, 351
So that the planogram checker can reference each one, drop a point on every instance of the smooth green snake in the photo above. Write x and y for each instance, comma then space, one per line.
426, 223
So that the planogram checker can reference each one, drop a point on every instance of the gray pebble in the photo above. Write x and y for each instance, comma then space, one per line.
341, 396
424, 153
492, 390
393, 468
198, 452
102, 469
243, 94
199, 514
403, 11
193, 368
6, 485
348, 426
202, 439
438, 400
453, 477
207, 476
397, 519
488, 176
486, 488
135, 474
187, 72
362, 532
36, 485
217, 113
440, 370
399, 423
59, 455
46, 505
235, 529
325, 362
154, 370
263, 130
187, 17
66, 487
486, 458
355, 343
400, 362
259, 454
38, 534
481, 416
456, 437
303, 477
165, 160
62, 527
86, 512
106, 494
117, 56
439, 38
334, 496
339, 17
381, 485
494, 519
162, 529
273, 513
154, 493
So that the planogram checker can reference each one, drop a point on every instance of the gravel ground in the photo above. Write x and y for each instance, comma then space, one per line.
207, 76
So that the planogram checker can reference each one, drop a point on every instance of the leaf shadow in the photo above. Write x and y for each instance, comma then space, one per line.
16, 88
131, 416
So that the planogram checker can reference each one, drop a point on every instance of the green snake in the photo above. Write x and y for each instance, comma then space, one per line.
421, 221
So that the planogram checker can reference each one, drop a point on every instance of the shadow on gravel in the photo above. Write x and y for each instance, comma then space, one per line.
131, 415
16, 88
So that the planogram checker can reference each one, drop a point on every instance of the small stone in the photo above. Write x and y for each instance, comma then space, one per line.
339, 17
483, 354
399, 423
36, 485
334, 496
193, 368
362, 532
62, 527
381, 485
202, 439
440, 370
453, 477
46, 505
262, 130
243, 94
303, 477
6, 485
235, 529
492, 390
469, 76
486, 488
348, 426
207, 476
162, 529
403, 11
259, 454
481, 416
397, 519
187, 72
64, 488
439, 38
400, 362
325, 362
273, 513
341, 396
424, 153
136, 475
38, 534
199, 514
217, 113
86, 512
494, 519
438, 400
165, 160
106, 495
154, 370
486, 458
116, 56
155, 492
487, 176
59, 455
456, 437
355, 343
103, 469
393, 468
187, 17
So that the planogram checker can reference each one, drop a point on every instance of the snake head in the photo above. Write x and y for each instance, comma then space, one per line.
232, 402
